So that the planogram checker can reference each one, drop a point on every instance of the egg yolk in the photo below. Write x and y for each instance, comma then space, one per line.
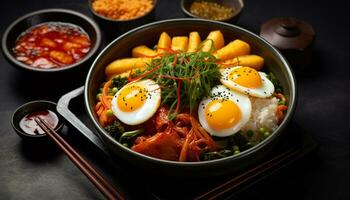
131, 98
246, 76
222, 114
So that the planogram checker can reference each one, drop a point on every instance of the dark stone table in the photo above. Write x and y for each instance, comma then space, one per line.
29, 171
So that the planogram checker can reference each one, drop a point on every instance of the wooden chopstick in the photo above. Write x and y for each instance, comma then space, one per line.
95, 177
246, 176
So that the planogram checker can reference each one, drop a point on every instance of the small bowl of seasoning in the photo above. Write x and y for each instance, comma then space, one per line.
218, 10
118, 16
51, 40
23, 119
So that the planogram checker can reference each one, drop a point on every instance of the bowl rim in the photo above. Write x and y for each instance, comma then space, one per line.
120, 20
187, 12
91, 52
26, 135
246, 153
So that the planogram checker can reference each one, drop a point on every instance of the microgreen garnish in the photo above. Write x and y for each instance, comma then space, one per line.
185, 78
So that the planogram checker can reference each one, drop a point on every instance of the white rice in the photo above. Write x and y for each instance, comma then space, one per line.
263, 115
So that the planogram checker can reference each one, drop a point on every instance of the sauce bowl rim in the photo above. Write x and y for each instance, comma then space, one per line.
18, 130
91, 52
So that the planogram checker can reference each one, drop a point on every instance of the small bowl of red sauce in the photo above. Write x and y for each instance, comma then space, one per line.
51, 40
23, 119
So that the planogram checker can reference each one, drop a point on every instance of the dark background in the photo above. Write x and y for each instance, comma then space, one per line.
322, 104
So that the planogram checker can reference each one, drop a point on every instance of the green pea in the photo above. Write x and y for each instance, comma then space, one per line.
98, 96
251, 144
262, 130
235, 148
266, 134
125, 145
236, 152
114, 90
109, 113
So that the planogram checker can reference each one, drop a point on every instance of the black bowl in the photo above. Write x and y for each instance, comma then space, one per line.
50, 15
31, 107
237, 5
115, 27
148, 35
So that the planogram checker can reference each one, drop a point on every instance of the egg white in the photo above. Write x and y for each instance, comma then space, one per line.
242, 101
265, 90
146, 111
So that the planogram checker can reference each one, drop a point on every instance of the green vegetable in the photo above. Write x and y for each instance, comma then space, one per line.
118, 82
236, 152
251, 144
275, 81
115, 129
114, 90
127, 136
98, 96
262, 130
281, 102
109, 113
212, 48
266, 134
216, 154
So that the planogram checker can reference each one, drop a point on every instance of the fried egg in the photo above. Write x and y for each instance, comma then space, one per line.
136, 102
225, 112
248, 81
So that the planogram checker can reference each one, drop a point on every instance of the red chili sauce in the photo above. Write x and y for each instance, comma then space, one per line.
29, 125
52, 45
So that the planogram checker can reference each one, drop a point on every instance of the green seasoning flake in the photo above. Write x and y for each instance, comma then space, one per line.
211, 10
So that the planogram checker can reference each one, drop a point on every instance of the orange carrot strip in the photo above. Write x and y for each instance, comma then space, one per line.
99, 111
183, 153
98, 105
103, 118
104, 101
